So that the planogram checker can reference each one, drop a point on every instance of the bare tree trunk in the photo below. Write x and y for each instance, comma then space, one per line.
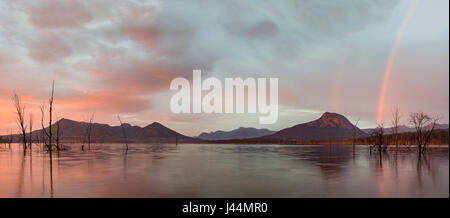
421, 122
124, 133
45, 135
90, 130
355, 128
87, 135
31, 134
428, 135
58, 135
395, 122
50, 102
378, 138
49, 134
20, 111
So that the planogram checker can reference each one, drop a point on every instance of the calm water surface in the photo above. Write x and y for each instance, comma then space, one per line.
193, 170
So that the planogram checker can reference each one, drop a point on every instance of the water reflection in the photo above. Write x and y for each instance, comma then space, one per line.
189, 170
21, 177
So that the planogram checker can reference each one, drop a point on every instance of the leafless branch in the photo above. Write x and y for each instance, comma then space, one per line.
355, 128
424, 126
123, 132
20, 112
395, 122
31, 133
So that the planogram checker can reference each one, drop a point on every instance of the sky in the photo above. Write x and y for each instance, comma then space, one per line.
119, 57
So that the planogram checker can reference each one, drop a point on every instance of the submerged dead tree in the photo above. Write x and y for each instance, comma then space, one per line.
123, 132
30, 141
355, 129
87, 135
424, 126
20, 112
58, 144
377, 136
395, 122
59, 147
48, 134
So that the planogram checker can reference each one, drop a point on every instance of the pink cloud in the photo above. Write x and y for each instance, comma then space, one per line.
103, 101
59, 14
147, 36
49, 49
135, 76
5, 59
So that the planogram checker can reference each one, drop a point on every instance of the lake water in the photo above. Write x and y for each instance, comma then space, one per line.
211, 170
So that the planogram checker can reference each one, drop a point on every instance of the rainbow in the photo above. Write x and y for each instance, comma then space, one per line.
388, 68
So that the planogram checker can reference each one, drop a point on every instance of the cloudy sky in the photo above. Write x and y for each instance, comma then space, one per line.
119, 57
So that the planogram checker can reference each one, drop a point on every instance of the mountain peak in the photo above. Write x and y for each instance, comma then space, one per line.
330, 126
126, 125
334, 120
331, 114
66, 121
156, 124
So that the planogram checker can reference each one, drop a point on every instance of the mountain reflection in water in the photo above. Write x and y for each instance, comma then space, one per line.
218, 170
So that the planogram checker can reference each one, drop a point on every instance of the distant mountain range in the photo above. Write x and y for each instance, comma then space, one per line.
329, 127
155, 132
404, 128
241, 133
